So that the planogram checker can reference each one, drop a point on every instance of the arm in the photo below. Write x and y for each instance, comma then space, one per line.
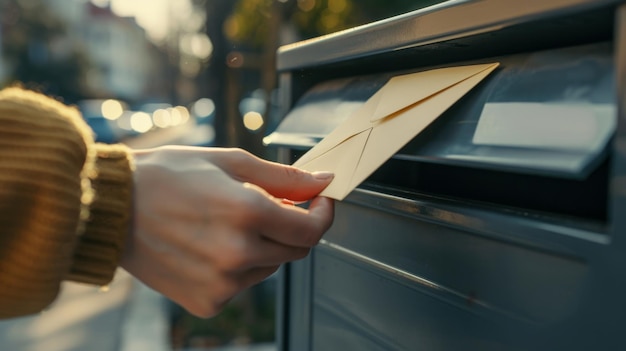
197, 224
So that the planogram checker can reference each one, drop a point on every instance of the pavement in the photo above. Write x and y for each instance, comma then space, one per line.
125, 316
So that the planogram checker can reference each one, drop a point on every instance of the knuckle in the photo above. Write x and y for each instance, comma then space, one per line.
204, 309
235, 261
311, 237
220, 292
234, 255
294, 173
239, 157
300, 254
227, 291
209, 305
325, 225
252, 205
255, 198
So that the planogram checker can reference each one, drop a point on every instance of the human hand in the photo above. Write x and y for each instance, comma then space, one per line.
210, 222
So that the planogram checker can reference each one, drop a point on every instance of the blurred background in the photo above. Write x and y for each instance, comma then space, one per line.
155, 72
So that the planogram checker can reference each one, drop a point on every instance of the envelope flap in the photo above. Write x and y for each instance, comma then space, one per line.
342, 160
356, 123
405, 90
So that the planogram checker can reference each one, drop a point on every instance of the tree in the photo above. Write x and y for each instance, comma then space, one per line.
38, 53
213, 79
248, 25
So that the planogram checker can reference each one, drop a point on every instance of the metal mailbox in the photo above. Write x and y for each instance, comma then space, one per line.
503, 225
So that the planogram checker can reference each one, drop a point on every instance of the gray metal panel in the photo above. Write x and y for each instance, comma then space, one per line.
357, 308
503, 277
453, 277
449, 20
299, 305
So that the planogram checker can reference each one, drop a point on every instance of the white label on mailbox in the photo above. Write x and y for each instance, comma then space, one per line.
569, 126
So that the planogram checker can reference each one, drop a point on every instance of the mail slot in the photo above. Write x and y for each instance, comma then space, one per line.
500, 226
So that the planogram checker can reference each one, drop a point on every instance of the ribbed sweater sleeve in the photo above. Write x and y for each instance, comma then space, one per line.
48, 162
100, 246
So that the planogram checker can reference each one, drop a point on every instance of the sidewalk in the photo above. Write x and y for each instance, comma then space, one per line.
146, 326
126, 317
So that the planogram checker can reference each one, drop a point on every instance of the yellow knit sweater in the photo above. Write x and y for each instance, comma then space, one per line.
65, 202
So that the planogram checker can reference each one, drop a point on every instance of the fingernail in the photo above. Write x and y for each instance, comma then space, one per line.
323, 175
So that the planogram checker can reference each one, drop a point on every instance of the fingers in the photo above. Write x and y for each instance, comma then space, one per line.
283, 232
268, 184
289, 182
237, 252
294, 226
279, 220
268, 253
279, 180
283, 222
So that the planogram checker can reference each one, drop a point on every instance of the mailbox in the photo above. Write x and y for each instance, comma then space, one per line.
502, 226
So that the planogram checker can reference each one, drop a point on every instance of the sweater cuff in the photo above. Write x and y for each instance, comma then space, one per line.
100, 247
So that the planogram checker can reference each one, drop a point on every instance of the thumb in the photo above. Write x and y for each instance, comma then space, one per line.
288, 182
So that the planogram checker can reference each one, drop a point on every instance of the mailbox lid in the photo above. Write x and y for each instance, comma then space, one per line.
453, 29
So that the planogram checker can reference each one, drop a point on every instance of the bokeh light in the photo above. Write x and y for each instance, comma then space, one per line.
112, 109
203, 108
177, 118
255, 102
141, 122
196, 44
162, 118
306, 5
337, 6
201, 46
253, 121
184, 114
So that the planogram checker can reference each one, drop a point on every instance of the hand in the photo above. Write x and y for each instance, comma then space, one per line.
209, 223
